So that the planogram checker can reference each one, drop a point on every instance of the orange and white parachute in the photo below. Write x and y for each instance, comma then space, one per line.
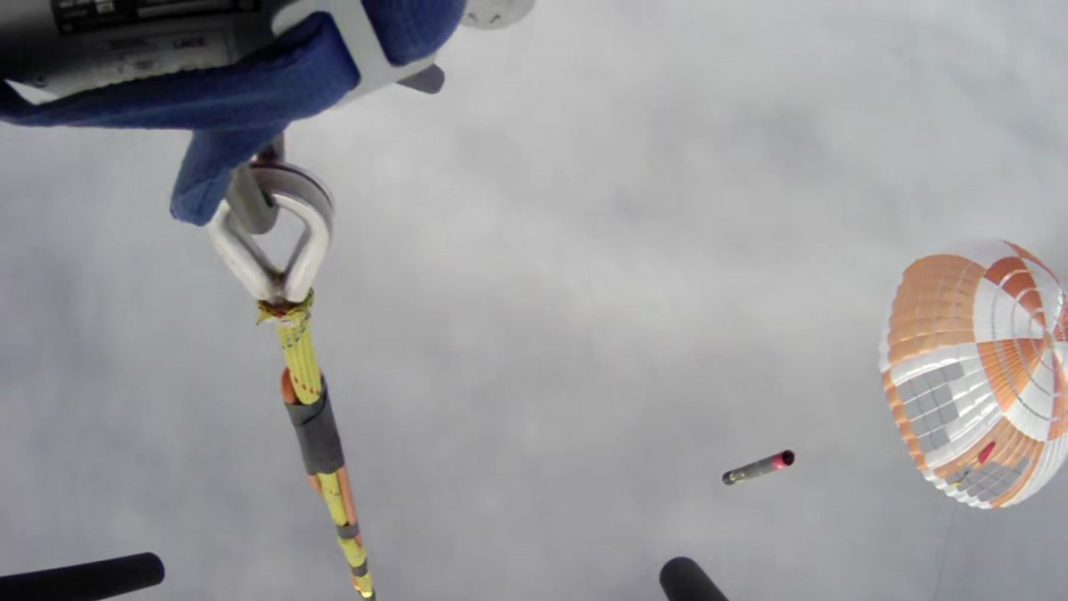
973, 365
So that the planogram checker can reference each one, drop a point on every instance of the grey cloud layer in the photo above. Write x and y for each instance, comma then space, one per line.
630, 245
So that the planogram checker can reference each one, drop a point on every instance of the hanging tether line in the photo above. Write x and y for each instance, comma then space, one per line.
945, 552
285, 297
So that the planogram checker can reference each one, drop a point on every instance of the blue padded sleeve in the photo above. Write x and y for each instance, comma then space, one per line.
236, 111
413, 29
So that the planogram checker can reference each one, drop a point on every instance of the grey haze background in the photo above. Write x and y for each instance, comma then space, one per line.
632, 244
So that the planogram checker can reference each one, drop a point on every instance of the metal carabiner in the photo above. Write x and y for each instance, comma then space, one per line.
292, 189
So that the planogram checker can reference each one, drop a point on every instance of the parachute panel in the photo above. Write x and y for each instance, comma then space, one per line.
973, 368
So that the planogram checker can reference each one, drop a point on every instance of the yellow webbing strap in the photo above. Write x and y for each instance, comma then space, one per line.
294, 334
335, 504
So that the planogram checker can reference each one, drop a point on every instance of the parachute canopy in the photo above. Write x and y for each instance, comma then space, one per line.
973, 365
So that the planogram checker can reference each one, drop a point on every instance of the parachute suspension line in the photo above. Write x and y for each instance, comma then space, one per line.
304, 389
945, 552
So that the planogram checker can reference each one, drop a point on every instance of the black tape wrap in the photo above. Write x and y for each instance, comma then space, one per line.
317, 434
348, 531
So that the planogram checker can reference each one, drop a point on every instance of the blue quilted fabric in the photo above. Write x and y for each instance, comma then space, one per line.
236, 111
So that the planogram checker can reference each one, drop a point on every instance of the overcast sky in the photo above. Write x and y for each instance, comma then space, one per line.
630, 245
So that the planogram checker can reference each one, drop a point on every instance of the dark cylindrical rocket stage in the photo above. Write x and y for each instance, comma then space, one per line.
778, 461
683, 580
87, 581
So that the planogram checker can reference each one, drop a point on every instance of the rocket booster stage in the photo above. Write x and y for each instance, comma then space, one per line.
776, 462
